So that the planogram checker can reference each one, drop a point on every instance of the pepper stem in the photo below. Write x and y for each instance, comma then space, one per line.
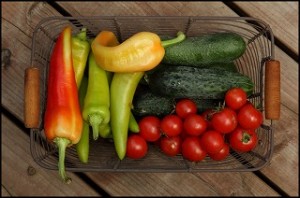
62, 144
180, 37
82, 34
95, 120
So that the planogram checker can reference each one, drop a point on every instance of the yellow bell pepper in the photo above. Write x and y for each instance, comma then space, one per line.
141, 52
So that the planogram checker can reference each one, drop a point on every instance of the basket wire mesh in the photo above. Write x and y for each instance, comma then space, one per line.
102, 157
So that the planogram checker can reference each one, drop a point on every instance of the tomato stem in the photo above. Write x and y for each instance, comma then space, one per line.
246, 137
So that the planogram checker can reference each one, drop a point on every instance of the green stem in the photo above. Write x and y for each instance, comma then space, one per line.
246, 137
82, 34
95, 120
62, 144
180, 37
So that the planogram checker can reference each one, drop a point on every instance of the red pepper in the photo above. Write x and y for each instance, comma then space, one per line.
63, 120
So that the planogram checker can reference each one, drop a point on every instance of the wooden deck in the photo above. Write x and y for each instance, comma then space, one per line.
21, 176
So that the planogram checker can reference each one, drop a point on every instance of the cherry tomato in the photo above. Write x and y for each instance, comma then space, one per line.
243, 140
225, 120
171, 125
184, 107
192, 150
235, 98
136, 147
249, 117
150, 128
222, 154
212, 141
171, 146
194, 124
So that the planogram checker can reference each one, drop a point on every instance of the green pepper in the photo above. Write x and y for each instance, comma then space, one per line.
82, 147
105, 130
96, 103
133, 125
80, 52
122, 89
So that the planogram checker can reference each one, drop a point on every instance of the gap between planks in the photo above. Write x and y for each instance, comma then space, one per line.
238, 10
82, 176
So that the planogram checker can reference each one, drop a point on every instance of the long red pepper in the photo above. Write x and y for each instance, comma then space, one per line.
63, 120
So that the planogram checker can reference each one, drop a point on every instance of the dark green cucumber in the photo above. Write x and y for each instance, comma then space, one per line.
228, 66
193, 82
147, 103
205, 49
204, 104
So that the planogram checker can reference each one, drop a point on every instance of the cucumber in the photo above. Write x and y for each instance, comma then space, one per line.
228, 66
205, 49
146, 102
193, 82
204, 104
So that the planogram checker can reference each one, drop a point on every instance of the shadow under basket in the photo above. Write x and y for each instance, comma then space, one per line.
260, 43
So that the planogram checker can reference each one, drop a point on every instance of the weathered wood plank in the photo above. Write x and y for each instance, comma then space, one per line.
183, 184
284, 166
152, 184
278, 15
121, 8
18, 21
4, 192
16, 160
289, 80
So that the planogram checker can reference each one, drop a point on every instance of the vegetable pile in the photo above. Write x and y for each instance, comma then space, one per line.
196, 135
148, 90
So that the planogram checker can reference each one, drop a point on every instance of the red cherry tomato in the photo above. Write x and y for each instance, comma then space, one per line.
242, 140
212, 141
235, 98
249, 117
136, 147
194, 124
184, 107
171, 146
150, 128
171, 125
192, 150
222, 154
224, 121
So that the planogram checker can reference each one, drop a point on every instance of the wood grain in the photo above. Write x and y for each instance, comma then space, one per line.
183, 184
16, 159
278, 15
18, 21
284, 165
4, 192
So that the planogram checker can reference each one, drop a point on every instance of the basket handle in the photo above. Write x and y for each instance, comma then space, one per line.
272, 89
31, 97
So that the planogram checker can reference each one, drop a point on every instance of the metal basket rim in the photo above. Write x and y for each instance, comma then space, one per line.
222, 18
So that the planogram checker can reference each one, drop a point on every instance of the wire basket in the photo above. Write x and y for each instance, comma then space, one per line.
259, 39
